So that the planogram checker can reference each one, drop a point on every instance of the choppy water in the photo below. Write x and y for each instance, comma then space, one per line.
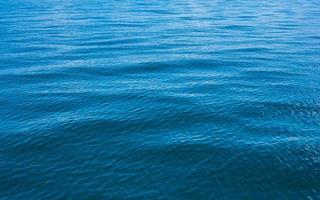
185, 99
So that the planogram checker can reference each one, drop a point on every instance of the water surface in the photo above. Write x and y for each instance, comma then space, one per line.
176, 99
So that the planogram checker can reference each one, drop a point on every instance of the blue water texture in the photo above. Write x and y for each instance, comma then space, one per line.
154, 99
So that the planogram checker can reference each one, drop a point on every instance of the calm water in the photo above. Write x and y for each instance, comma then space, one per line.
176, 99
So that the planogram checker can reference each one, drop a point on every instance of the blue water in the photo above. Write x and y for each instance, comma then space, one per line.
150, 99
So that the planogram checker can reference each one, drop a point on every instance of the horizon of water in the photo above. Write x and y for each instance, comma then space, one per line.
185, 99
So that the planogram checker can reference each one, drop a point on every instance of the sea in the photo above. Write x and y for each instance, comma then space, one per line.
159, 99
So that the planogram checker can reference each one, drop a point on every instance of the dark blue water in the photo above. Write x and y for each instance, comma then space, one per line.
176, 99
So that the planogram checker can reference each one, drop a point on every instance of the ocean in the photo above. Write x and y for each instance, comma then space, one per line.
150, 99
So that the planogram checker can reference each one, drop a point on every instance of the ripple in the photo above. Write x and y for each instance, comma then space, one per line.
186, 99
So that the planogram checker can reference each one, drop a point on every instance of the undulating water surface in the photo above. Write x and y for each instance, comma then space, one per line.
150, 99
